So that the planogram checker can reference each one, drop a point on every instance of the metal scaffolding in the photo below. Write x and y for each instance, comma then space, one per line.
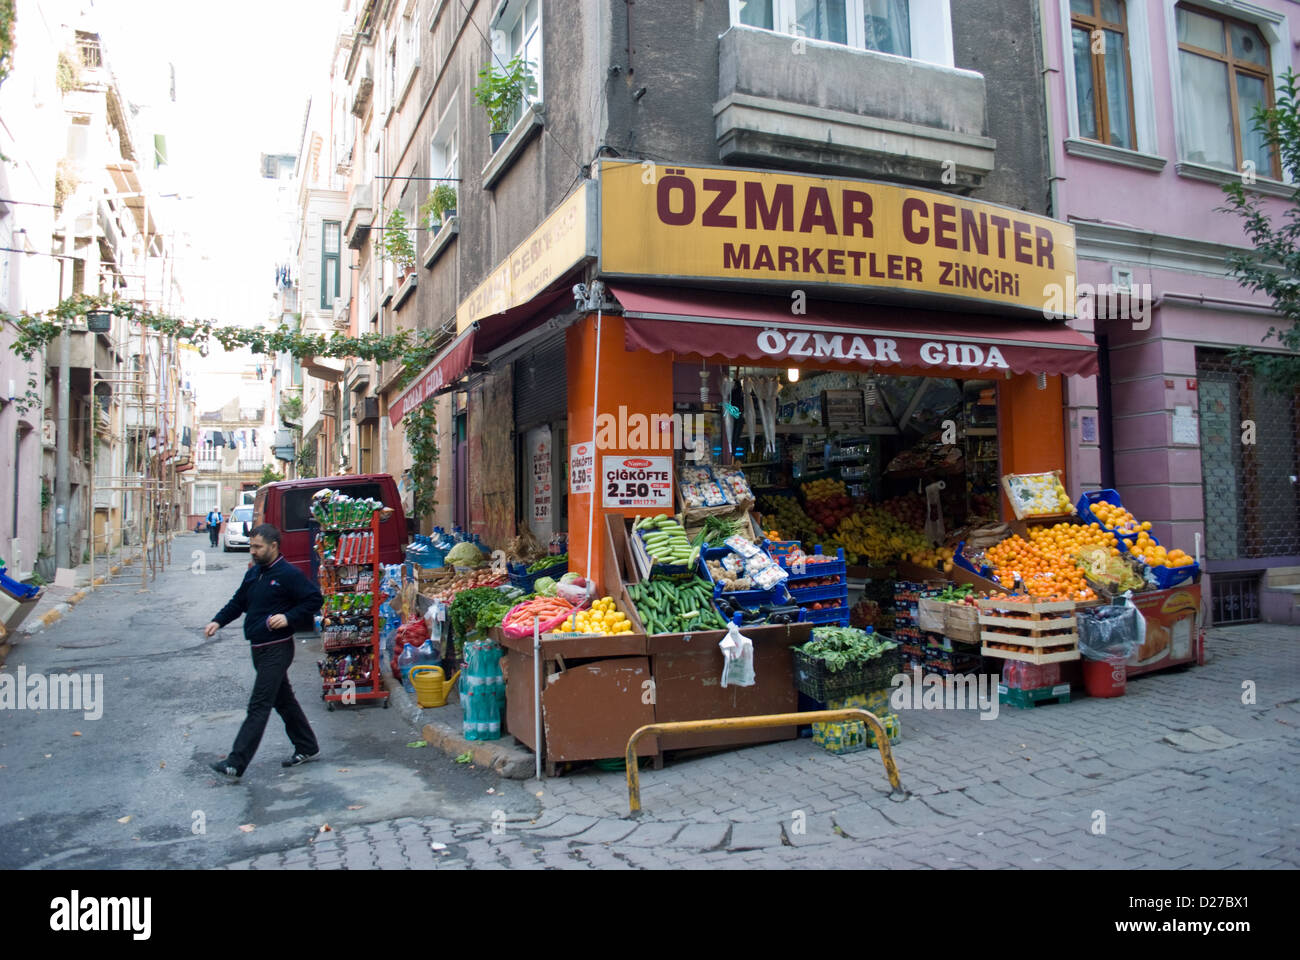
147, 386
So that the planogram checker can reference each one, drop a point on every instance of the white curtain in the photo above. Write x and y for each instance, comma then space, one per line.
1205, 111
886, 26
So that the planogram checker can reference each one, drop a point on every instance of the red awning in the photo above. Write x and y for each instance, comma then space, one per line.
446, 367
764, 329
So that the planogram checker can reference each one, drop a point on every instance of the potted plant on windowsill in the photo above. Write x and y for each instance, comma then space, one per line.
439, 206
397, 246
500, 94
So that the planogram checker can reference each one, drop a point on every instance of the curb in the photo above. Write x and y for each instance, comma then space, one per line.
56, 613
502, 757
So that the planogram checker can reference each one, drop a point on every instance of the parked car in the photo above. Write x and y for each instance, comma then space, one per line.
287, 506
235, 531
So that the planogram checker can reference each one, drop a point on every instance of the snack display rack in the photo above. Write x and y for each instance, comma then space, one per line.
352, 645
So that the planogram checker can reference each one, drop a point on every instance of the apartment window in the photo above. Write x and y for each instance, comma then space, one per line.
1103, 76
1225, 77
88, 49
518, 33
329, 267
444, 155
406, 52
881, 25
205, 498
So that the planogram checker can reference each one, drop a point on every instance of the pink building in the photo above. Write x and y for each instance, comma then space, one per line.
1150, 106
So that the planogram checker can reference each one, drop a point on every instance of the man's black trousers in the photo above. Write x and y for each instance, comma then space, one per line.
212, 533
271, 690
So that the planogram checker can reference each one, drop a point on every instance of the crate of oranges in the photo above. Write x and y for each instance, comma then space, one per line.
1170, 567
602, 618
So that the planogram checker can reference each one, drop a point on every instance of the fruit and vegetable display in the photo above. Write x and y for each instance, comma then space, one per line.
546, 562
962, 593
1037, 494
1104, 566
1044, 572
545, 609
868, 613
602, 617
665, 540
785, 513
465, 554
716, 530
666, 607
731, 580
842, 647
467, 581
884, 533
827, 502
464, 610
1070, 538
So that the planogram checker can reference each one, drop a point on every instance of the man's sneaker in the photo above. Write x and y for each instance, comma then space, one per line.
226, 769
299, 758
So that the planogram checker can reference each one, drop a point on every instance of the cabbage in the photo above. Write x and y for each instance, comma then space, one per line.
465, 554
545, 586
570, 577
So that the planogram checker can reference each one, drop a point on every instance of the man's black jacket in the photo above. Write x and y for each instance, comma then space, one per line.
266, 591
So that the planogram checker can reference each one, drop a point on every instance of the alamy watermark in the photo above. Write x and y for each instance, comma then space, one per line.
934, 691
58, 691
1100, 301
656, 431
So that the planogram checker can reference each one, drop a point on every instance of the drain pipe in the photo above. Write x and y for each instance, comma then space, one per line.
537, 694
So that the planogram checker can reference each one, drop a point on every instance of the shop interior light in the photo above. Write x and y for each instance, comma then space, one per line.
792, 374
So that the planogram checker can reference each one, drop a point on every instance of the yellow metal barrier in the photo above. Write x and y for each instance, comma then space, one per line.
751, 723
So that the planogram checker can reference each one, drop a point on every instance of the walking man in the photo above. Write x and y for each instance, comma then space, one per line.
214, 525
275, 600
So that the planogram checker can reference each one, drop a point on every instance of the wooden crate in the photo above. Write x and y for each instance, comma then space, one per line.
1043, 624
1038, 658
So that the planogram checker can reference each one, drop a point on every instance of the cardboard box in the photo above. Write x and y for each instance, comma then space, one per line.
932, 615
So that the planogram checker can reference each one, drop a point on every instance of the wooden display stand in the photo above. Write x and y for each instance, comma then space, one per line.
598, 690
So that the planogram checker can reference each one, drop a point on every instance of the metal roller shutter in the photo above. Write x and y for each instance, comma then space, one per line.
541, 388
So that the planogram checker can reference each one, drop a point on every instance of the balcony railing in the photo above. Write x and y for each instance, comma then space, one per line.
209, 465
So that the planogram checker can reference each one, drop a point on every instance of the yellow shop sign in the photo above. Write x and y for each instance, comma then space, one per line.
560, 242
798, 231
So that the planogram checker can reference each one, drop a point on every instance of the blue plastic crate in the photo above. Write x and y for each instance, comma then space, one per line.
984, 570
1167, 577
748, 598
521, 578
836, 615
814, 594
815, 571
1090, 497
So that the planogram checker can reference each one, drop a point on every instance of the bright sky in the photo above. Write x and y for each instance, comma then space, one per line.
244, 72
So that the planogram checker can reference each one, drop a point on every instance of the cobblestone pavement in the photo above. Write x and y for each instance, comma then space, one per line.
1178, 773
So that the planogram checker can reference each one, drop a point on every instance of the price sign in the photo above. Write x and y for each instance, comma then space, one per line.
582, 468
637, 482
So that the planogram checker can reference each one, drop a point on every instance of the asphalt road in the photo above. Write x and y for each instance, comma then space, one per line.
172, 703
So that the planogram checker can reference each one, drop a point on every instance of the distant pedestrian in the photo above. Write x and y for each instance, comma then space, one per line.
275, 599
214, 525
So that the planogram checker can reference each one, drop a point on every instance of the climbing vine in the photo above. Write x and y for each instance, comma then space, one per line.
412, 348
7, 19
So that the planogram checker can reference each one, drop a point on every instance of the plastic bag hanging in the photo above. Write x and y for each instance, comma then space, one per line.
747, 387
737, 658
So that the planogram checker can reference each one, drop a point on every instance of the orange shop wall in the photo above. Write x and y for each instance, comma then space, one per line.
1031, 428
638, 380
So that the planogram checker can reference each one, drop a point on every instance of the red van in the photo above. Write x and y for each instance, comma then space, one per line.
287, 506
